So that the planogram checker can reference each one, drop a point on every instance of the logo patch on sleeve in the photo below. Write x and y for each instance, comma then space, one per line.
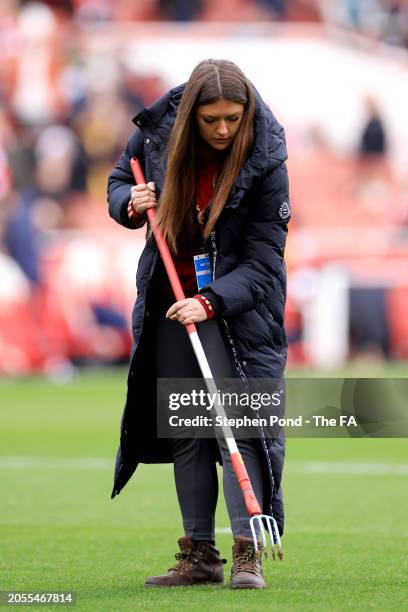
284, 210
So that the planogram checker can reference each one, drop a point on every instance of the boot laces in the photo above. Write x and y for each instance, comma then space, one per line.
247, 561
186, 560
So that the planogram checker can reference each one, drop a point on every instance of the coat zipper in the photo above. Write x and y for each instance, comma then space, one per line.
226, 327
242, 373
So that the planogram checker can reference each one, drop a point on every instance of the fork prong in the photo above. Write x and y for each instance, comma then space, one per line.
261, 529
276, 537
253, 531
257, 524
270, 531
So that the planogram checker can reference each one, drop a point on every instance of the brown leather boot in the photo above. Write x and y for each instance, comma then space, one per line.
246, 571
197, 563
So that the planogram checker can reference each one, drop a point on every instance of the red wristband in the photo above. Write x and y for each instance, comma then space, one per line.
206, 303
136, 217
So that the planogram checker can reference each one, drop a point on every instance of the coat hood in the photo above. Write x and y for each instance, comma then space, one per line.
269, 147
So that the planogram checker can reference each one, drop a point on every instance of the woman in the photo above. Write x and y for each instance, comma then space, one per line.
214, 157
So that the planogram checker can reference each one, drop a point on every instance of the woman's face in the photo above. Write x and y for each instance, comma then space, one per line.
219, 122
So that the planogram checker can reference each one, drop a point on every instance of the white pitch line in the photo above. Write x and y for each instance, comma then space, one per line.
370, 529
346, 468
223, 530
55, 463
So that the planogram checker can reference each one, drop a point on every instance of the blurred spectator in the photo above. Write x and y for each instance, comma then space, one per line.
60, 162
101, 144
140, 90
21, 240
278, 8
63, 8
382, 19
123, 10
36, 98
57, 173
369, 330
93, 11
303, 10
180, 10
373, 138
6, 136
374, 180
363, 15
9, 38
395, 29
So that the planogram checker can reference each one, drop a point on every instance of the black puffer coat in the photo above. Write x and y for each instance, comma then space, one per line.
246, 250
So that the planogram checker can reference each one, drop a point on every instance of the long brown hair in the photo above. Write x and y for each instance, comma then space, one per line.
209, 81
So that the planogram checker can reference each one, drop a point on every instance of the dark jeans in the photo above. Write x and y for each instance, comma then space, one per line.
195, 458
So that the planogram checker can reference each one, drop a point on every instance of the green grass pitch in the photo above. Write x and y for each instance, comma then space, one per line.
346, 539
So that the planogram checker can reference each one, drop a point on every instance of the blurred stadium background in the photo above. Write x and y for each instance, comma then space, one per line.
72, 75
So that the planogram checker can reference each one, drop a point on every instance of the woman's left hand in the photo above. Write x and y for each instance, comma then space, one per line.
187, 311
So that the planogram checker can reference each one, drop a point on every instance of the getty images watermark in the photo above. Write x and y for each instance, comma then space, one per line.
301, 407
254, 401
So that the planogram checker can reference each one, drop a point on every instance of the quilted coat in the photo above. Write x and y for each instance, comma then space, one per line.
246, 251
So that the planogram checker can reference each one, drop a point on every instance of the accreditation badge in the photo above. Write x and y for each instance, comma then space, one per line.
202, 266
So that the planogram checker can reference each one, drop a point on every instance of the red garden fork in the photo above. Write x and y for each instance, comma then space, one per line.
257, 520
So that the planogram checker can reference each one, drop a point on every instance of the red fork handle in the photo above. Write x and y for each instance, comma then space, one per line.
245, 484
161, 244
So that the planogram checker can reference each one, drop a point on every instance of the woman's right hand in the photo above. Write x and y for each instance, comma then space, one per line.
142, 197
